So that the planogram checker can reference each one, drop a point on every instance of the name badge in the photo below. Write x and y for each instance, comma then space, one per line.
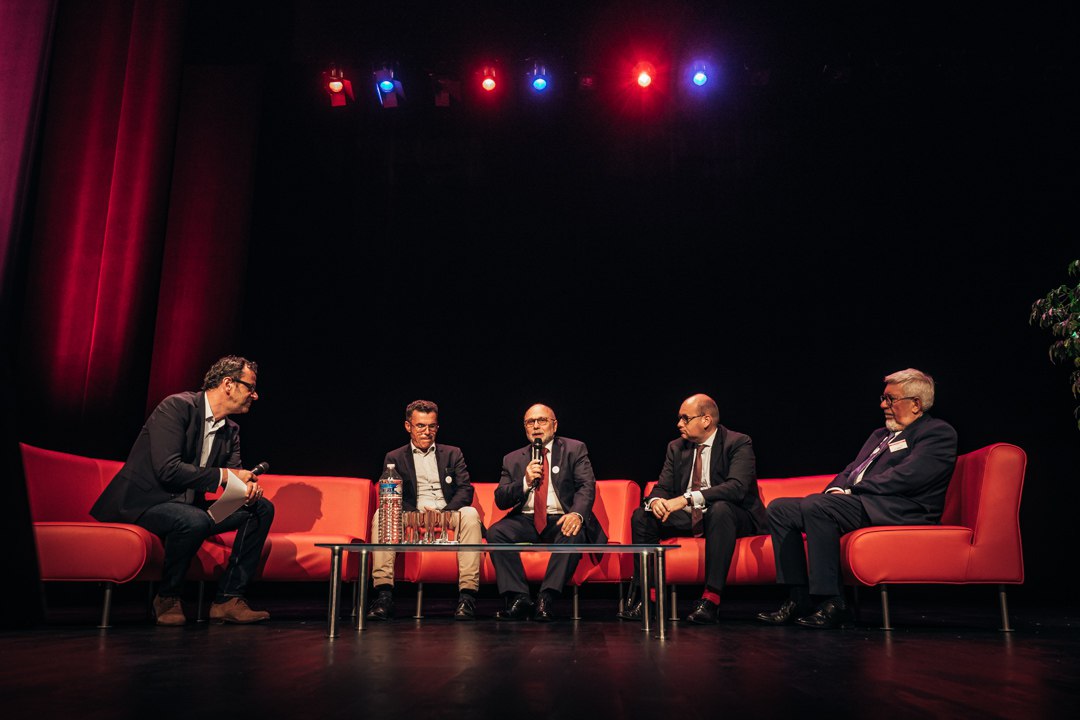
554, 469
898, 445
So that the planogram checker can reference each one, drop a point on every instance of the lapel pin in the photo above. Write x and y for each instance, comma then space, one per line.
554, 469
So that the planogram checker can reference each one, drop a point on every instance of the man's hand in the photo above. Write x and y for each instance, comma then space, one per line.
659, 508
570, 524
533, 471
254, 490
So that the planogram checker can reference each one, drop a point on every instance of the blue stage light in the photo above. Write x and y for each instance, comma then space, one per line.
538, 77
387, 86
700, 77
539, 84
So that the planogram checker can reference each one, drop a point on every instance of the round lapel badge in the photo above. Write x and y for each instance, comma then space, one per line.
449, 480
554, 469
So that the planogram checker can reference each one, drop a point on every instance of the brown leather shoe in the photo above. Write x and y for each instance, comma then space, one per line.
236, 610
168, 611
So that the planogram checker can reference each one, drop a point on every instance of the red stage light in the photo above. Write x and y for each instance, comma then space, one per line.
336, 86
644, 73
488, 83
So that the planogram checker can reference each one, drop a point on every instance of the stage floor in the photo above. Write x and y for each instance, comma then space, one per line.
945, 658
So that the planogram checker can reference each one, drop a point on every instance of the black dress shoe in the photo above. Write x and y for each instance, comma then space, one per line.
631, 611
520, 608
786, 615
466, 607
704, 613
830, 614
382, 608
544, 608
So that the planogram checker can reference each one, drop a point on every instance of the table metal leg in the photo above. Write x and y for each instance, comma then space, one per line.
361, 615
335, 592
646, 604
660, 592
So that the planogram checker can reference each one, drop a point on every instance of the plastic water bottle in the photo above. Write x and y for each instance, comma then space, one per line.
389, 506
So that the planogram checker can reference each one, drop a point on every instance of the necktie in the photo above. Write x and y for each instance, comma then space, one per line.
696, 523
858, 472
540, 497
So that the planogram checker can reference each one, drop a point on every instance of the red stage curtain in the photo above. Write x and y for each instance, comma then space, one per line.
25, 32
202, 277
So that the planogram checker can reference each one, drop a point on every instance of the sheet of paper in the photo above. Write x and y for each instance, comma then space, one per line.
234, 495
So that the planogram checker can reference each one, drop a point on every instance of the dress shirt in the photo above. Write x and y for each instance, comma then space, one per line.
428, 492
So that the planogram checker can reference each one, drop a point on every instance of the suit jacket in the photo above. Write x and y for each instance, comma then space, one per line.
732, 472
164, 461
454, 482
574, 483
905, 486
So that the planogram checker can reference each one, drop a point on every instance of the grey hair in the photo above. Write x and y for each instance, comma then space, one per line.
916, 383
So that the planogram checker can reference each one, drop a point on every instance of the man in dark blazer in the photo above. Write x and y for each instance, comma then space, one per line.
561, 480
434, 477
707, 488
899, 477
189, 447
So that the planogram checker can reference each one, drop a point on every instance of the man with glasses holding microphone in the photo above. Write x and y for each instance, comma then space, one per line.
549, 487
899, 477
189, 447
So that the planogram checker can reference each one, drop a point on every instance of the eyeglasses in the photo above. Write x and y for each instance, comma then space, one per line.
537, 422
421, 427
249, 386
889, 400
686, 420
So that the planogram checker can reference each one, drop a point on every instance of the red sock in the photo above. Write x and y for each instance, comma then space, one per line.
712, 597
652, 594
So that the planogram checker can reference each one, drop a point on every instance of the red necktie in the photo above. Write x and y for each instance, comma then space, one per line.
696, 523
540, 497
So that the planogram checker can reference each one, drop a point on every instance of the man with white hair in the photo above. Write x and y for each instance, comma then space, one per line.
899, 477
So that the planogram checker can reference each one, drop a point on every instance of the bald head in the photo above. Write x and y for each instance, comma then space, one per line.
540, 422
698, 417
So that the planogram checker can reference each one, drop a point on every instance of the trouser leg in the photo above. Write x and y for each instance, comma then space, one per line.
382, 562
182, 528
509, 570
468, 531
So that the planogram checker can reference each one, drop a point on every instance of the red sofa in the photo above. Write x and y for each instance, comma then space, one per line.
72, 546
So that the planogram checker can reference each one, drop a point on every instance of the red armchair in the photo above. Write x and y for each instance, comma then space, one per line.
977, 542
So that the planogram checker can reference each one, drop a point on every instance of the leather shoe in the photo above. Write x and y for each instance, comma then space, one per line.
382, 608
830, 614
544, 608
236, 610
704, 613
466, 607
786, 615
520, 608
168, 611
631, 611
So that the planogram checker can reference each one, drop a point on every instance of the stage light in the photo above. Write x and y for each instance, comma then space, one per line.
538, 77
700, 75
388, 89
644, 74
338, 87
488, 81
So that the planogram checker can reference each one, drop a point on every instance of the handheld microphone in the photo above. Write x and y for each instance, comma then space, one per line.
538, 449
260, 468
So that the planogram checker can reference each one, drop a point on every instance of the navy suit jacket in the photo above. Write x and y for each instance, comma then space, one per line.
905, 486
454, 482
164, 461
574, 482
732, 472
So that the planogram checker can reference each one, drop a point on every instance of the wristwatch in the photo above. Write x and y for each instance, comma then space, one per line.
689, 495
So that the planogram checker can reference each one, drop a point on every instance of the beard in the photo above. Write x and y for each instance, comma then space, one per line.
893, 426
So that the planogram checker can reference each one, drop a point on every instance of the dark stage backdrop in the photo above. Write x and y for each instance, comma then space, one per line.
781, 247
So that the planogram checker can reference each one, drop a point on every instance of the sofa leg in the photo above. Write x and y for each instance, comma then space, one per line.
355, 600
419, 614
885, 624
674, 604
576, 605
199, 616
1004, 603
106, 606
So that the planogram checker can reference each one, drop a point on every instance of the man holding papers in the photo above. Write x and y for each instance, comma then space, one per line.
187, 447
